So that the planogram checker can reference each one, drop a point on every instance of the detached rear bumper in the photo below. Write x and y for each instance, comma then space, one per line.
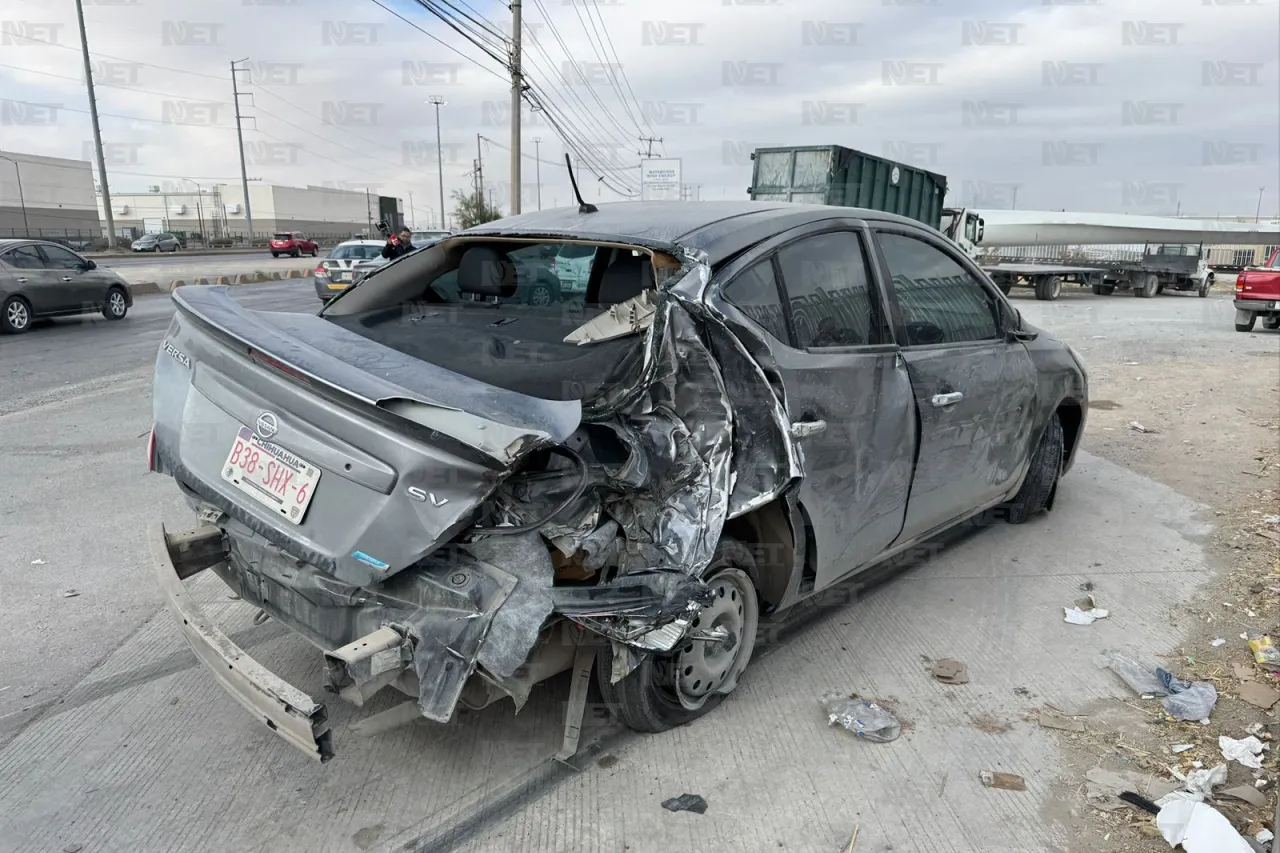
284, 709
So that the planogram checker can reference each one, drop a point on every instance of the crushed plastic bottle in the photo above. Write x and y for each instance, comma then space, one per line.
864, 718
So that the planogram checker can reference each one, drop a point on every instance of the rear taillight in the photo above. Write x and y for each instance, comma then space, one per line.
267, 361
1240, 282
320, 270
151, 451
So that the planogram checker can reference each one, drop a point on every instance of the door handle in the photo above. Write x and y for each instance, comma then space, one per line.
944, 400
22, 281
66, 278
804, 429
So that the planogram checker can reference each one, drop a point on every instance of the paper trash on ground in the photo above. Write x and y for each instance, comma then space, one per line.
1247, 751
1199, 828
1086, 612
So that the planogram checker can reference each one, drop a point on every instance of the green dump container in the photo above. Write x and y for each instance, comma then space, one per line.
833, 174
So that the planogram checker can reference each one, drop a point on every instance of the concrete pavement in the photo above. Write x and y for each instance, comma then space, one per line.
112, 737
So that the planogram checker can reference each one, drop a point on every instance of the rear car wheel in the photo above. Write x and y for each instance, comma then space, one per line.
677, 687
1245, 321
15, 315
275, 254
541, 295
1272, 322
1204, 288
116, 305
1042, 476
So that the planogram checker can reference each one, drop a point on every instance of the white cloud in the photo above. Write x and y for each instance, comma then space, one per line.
1150, 118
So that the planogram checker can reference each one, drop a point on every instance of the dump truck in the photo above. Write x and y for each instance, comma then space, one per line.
845, 177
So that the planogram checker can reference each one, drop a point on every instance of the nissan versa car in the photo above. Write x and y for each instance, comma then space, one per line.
39, 279
457, 492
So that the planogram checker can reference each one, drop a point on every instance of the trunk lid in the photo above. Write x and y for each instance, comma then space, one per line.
395, 453
1260, 282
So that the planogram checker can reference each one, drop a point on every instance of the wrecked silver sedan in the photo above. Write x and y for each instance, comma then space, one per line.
456, 492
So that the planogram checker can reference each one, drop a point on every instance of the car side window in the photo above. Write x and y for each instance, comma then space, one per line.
754, 292
941, 301
58, 258
829, 292
23, 258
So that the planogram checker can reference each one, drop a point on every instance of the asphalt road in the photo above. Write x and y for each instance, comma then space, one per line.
186, 259
114, 738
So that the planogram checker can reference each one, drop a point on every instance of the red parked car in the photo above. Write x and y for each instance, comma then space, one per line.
293, 243
1258, 294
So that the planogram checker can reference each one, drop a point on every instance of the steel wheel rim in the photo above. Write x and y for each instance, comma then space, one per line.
117, 304
17, 315
704, 668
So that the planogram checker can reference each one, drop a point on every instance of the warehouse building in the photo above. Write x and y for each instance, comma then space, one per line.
48, 197
195, 211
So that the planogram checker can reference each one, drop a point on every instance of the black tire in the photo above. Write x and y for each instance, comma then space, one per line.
116, 304
1247, 327
296, 253
1204, 288
275, 255
1271, 322
1042, 476
15, 316
1159, 289
315, 251
1048, 287
1148, 287
645, 699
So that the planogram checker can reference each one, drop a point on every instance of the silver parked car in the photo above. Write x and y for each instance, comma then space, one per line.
156, 243
457, 491
337, 271
40, 279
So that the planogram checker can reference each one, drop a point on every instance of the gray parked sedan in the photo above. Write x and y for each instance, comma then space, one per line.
458, 492
156, 243
41, 279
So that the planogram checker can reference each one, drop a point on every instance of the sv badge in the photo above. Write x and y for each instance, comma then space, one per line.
423, 495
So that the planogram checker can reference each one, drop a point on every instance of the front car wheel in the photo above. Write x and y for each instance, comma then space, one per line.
116, 305
671, 689
1042, 476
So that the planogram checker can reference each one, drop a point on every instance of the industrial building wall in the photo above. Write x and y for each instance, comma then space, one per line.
328, 214
56, 193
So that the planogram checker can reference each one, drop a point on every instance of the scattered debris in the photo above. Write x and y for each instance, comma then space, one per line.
1139, 801
1199, 828
73, 848
1137, 427
951, 672
1257, 694
1103, 788
1218, 642
990, 724
1054, 720
1247, 793
1200, 783
607, 761
70, 593
1182, 747
1185, 700
1264, 651
852, 839
37, 562
1247, 751
1003, 781
1271, 519
864, 718
1264, 836
1086, 612
686, 803
1087, 586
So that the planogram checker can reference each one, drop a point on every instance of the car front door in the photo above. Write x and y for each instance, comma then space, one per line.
78, 288
40, 286
818, 300
975, 389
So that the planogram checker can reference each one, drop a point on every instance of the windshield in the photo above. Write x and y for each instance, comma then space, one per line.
355, 252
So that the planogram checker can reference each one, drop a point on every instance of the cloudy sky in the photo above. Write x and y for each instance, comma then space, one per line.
1110, 105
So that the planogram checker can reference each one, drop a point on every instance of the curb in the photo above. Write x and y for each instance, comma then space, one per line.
256, 277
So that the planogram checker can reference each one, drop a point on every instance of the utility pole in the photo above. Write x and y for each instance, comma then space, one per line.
244, 171
413, 217
648, 141
479, 174
1258, 215
17, 171
439, 102
368, 211
517, 91
97, 132
537, 166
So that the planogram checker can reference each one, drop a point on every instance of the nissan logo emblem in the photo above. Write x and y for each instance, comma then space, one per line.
268, 425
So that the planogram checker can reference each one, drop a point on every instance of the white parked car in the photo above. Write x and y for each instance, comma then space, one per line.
338, 271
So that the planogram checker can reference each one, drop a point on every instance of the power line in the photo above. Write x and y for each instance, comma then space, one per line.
604, 61
443, 43
112, 85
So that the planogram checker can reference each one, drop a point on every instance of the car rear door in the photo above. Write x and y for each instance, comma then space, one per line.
975, 389
40, 286
817, 299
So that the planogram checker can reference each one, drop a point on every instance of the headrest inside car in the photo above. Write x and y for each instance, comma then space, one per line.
626, 278
486, 272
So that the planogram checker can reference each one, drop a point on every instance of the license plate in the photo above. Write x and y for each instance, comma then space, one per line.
271, 475
344, 276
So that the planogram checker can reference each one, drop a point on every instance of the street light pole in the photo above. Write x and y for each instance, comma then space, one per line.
537, 165
97, 132
21, 199
439, 102
1258, 214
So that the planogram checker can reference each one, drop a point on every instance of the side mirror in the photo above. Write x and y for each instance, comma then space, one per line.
89, 265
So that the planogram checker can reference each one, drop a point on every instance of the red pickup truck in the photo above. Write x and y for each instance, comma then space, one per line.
1258, 294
